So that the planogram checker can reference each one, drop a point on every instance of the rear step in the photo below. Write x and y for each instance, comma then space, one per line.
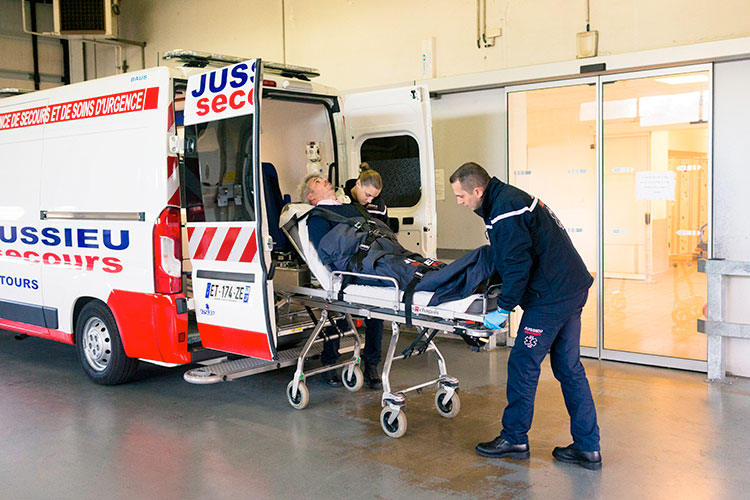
230, 370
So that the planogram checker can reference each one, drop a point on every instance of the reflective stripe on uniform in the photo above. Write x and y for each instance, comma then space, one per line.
511, 214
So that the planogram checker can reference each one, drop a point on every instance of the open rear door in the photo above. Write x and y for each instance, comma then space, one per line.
225, 213
391, 130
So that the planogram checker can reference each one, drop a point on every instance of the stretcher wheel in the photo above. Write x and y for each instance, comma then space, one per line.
356, 381
449, 409
397, 428
303, 395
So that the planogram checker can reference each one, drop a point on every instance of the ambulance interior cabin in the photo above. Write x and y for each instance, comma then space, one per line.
297, 136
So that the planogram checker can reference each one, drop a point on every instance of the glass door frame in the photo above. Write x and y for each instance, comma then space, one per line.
599, 81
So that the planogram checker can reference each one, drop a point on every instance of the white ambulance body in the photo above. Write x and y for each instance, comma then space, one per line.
97, 178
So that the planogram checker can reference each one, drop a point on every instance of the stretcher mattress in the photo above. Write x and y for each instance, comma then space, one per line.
382, 296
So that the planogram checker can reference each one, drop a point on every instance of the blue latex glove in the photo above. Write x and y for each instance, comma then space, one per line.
496, 319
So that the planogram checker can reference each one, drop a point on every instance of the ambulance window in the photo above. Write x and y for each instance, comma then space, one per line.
396, 159
218, 171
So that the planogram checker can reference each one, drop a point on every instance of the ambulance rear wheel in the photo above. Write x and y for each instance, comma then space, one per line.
394, 429
298, 402
99, 346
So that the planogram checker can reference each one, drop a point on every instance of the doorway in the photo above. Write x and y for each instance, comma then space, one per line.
624, 161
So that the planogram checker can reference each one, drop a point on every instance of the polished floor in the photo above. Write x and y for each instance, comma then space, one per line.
666, 434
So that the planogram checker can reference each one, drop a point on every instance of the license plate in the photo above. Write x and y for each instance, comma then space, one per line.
230, 293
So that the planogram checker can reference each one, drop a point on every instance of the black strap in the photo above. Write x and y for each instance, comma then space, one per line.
361, 209
423, 268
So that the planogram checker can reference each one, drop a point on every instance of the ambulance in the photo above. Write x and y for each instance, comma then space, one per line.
136, 218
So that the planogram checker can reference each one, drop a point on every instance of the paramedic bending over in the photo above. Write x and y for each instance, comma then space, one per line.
318, 191
542, 272
365, 191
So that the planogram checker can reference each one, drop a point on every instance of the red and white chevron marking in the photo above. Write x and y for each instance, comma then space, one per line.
223, 244
173, 181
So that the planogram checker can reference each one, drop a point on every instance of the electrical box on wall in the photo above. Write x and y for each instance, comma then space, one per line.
428, 57
87, 18
587, 44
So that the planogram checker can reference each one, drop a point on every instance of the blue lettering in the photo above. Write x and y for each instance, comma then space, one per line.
5, 238
124, 240
202, 88
86, 235
34, 285
239, 75
51, 237
30, 237
212, 81
68, 237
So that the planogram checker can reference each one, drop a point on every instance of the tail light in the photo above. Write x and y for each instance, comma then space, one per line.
168, 252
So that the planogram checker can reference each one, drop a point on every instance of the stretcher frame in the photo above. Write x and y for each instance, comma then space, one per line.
427, 320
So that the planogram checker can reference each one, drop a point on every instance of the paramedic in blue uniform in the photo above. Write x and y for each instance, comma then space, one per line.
543, 273
365, 190
318, 191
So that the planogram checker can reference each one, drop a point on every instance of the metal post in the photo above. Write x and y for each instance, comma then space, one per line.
715, 312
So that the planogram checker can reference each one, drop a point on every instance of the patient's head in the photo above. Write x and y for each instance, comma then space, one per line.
315, 188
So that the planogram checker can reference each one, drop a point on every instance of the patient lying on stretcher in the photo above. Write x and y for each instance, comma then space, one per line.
347, 239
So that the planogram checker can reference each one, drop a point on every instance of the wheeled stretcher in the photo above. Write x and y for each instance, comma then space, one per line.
334, 295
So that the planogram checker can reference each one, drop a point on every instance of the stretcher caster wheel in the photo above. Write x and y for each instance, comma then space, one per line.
449, 409
356, 381
303, 395
395, 429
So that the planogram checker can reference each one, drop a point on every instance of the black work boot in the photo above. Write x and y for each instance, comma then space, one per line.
372, 377
331, 378
588, 459
500, 448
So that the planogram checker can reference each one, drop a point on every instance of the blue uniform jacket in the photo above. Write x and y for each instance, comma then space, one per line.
532, 252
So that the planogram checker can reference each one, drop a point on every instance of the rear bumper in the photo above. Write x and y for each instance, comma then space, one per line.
151, 326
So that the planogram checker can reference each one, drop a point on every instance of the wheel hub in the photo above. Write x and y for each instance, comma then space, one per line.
97, 344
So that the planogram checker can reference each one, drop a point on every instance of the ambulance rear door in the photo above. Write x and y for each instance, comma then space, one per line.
391, 130
226, 225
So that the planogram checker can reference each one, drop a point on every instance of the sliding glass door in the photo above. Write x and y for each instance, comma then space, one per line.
624, 161
552, 155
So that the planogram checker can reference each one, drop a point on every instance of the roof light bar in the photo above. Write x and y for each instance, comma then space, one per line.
194, 58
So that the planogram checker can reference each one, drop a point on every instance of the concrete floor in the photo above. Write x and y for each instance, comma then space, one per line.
666, 435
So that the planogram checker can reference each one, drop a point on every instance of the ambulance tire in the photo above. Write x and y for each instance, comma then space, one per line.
99, 346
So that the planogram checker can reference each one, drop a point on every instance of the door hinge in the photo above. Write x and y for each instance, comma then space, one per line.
173, 144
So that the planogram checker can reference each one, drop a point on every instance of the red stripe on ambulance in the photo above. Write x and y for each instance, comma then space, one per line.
204, 244
93, 107
222, 244
228, 243
252, 247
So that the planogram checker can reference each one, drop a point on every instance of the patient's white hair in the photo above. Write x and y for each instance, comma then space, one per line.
304, 187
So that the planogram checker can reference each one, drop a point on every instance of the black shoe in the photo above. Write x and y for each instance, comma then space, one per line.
331, 378
499, 448
372, 377
587, 459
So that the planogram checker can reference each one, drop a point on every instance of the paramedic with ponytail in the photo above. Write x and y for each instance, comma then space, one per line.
364, 191
543, 273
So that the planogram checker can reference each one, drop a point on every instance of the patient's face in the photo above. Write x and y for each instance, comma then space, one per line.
320, 189
472, 199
